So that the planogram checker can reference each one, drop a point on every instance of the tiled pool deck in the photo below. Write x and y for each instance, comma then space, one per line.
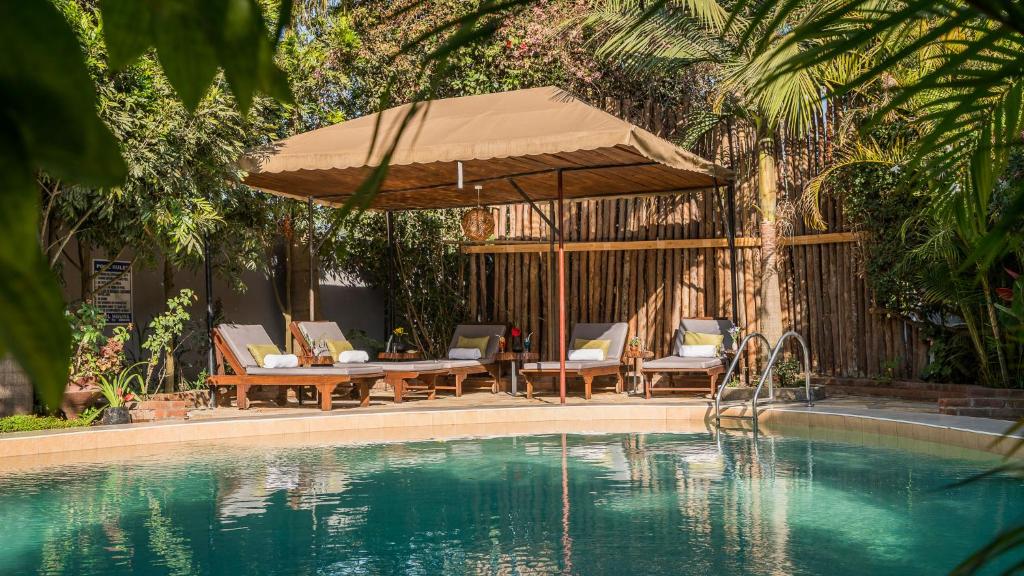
853, 419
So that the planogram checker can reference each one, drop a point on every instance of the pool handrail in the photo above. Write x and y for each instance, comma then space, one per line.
732, 368
771, 361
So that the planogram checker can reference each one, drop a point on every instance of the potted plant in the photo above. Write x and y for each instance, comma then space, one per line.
734, 334
517, 340
636, 345
396, 342
117, 390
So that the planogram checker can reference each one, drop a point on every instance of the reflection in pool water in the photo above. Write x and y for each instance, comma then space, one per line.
601, 504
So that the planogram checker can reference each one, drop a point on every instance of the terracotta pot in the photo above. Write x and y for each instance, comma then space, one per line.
116, 416
76, 401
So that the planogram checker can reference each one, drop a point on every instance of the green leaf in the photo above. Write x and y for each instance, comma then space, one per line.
184, 48
127, 30
46, 92
32, 324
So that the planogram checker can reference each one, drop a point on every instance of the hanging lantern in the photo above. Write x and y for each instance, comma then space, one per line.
478, 223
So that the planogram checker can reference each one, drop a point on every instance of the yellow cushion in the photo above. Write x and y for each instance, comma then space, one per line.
479, 343
336, 347
584, 344
700, 339
261, 351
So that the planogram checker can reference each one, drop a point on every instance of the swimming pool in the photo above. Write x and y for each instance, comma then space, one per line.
645, 504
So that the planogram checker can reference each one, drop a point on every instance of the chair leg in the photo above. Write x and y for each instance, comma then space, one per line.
619, 382
364, 393
529, 386
243, 396
458, 384
326, 396
588, 382
282, 396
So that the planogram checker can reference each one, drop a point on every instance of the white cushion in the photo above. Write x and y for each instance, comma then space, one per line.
701, 351
280, 361
464, 353
353, 357
586, 354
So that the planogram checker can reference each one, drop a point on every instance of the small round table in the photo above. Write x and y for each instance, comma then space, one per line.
512, 358
396, 356
638, 366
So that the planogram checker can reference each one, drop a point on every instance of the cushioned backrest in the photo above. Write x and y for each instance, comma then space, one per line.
704, 326
495, 331
616, 332
238, 337
321, 331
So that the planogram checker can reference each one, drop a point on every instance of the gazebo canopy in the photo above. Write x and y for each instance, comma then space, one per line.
521, 136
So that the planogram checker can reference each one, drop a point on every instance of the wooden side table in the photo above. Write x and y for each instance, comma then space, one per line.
316, 361
397, 356
513, 358
638, 366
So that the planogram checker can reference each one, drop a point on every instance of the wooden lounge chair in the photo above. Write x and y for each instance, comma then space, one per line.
693, 374
587, 370
231, 343
420, 375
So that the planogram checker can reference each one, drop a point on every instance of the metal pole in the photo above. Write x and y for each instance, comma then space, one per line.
208, 277
389, 317
561, 288
312, 260
731, 202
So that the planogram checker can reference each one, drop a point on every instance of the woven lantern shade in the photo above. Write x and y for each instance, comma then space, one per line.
478, 224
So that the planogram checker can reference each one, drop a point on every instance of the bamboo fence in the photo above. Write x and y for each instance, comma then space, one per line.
651, 261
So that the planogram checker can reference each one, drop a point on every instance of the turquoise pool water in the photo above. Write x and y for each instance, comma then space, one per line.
644, 504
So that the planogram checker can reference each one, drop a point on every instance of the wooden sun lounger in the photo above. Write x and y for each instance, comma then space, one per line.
695, 374
589, 370
419, 375
246, 374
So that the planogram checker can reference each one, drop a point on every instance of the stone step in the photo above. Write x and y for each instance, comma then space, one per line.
982, 412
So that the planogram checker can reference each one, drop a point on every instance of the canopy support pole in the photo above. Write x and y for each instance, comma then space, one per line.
312, 263
561, 288
389, 302
208, 278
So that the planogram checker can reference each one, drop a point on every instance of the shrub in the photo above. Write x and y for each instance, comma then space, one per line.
28, 422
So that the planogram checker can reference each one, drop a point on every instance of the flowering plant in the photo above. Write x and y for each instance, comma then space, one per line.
400, 331
516, 332
734, 333
636, 342
117, 389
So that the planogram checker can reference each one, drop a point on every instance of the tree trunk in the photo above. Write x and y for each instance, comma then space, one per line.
169, 368
770, 318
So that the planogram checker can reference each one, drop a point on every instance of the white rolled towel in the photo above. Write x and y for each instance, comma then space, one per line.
586, 355
353, 357
699, 351
464, 354
280, 361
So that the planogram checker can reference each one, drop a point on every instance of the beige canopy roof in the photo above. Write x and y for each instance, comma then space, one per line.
520, 136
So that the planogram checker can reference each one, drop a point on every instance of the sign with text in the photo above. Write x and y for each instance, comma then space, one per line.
112, 283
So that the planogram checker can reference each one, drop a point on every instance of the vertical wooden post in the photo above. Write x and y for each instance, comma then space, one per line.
312, 259
561, 288
389, 302
731, 206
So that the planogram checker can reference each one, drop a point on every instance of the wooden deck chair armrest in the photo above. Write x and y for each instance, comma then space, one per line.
300, 338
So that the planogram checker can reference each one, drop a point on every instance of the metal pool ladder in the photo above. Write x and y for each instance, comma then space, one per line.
774, 355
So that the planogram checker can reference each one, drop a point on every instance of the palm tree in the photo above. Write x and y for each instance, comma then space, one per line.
652, 38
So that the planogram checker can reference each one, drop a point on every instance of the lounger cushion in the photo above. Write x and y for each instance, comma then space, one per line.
678, 363
615, 332
359, 371
480, 344
261, 351
570, 366
412, 366
238, 337
492, 331
321, 331
450, 364
702, 326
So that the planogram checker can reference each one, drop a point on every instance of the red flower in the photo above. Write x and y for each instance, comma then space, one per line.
516, 332
1005, 294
